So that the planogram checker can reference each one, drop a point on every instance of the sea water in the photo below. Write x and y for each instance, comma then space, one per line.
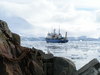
80, 52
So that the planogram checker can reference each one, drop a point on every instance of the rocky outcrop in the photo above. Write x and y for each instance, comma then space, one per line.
91, 68
59, 66
18, 60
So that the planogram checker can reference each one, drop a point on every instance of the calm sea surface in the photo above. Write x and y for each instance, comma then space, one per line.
80, 52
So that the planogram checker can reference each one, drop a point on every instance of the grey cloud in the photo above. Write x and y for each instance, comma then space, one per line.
18, 1
61, 19
97, 17
86, 9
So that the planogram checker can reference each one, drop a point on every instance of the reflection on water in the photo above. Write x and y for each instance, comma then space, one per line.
79, 52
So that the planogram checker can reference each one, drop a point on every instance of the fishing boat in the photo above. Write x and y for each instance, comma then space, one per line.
53, 37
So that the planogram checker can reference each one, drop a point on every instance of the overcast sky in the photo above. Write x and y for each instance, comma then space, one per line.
77, 17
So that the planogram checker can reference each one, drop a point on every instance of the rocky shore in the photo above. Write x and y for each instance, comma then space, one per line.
18, 60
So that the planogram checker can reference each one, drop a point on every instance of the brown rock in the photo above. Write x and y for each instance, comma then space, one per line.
59, 66
18, 60
64, 66
16, 37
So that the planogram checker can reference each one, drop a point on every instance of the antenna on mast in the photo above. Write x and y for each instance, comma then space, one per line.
59, 29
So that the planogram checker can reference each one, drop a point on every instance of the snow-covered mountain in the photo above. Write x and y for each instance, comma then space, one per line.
16, 23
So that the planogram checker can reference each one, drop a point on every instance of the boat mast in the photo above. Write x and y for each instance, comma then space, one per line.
59, 29
54, 31
66, 36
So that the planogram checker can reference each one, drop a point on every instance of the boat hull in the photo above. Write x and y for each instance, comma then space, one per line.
56, 41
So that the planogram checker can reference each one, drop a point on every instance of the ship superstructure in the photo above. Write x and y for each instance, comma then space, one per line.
53, 37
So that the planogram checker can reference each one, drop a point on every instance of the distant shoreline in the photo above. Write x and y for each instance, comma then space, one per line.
69, 38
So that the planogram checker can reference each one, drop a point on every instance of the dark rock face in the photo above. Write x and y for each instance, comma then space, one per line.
92, 68
16, 38
64, 66
18, 60
59, 66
